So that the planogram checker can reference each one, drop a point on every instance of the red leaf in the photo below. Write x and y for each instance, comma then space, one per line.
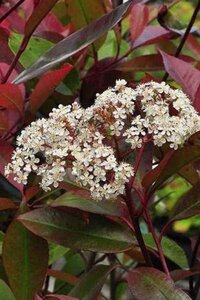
46, 86
150, 35
5, 155
146, 63
38, 15
6, 203
139, 19
185, 74
11, 97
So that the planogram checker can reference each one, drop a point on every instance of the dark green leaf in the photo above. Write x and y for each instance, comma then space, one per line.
5, 292
111, 208
188, 205
91, 283
75, 42
170, 248
151, 284
25, 258
96, 234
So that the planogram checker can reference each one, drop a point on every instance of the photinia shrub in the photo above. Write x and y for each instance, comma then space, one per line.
100, 152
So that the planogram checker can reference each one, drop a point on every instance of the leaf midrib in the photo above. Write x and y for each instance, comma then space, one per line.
73, 231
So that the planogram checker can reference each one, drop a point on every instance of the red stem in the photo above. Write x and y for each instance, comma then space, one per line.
160, 251
136, 227
136, 165
185, 36
14, 7
164, 229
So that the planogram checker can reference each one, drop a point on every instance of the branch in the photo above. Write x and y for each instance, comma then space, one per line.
185, 36
14, 7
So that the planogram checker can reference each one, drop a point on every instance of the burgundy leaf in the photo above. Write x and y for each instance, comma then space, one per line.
6, 54
46, 86
98, 79
139, 19
172, 162
38, 15
185, 74
150, 35
145, 63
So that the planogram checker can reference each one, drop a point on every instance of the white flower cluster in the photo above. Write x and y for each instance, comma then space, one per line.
84, 140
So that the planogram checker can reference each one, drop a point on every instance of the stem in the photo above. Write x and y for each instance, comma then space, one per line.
91, 261
112, 279
14, 7
136, 227
194, 254
152, 230
16, 58
185, 36
136, 165
164, 229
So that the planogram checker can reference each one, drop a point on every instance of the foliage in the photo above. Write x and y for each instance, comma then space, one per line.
63, 244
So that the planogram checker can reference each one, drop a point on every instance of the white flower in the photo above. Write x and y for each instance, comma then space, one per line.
84, 140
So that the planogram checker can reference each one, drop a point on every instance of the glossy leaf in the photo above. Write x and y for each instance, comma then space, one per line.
11, 97
138, 20
98, 234
5, 291
111, 208
170, 248
74, 43
172, 162
188, 205
151, 284
150, 35
25, 258
185, 74
90, 284
46, 86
